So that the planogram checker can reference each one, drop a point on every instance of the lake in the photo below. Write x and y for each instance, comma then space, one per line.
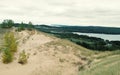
103, 36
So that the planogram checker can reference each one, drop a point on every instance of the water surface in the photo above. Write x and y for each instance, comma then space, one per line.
103, 36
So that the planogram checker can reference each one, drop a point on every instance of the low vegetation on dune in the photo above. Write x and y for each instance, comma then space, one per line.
23, 58
10, 41
109, 64
7, 56
9, 47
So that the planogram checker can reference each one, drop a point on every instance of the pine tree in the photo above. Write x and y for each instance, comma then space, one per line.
30, 26
7, 23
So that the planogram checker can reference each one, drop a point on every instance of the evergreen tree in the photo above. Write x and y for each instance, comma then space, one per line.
30, 26
7, 23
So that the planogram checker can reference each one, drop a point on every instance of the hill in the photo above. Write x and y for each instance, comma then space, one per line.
49, 55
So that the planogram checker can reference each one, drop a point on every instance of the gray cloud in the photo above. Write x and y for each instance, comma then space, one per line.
76, 12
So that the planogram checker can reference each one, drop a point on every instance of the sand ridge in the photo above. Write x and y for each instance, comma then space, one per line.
45, 58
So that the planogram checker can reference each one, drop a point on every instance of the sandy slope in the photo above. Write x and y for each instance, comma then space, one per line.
47, 56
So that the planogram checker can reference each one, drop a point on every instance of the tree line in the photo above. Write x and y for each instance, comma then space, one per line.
8, 23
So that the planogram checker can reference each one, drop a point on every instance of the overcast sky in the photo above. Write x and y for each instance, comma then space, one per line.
72, 12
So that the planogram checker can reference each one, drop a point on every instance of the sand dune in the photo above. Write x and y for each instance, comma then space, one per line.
47, 56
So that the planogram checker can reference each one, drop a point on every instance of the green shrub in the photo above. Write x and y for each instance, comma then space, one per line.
23, 58
0, 49
21, 27
9, 47
7, 56
10, 41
